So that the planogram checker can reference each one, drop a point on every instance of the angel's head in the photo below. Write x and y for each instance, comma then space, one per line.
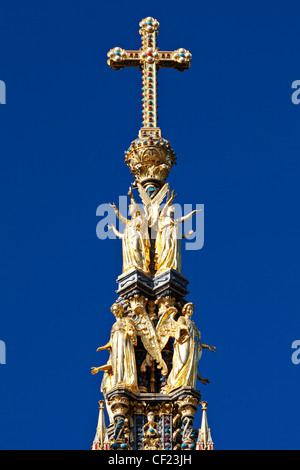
134, 210
117, 310
171, 210
168, 211
188, 309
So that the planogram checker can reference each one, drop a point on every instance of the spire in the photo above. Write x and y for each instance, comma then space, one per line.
99, 439
210, 441
204, 441
149, 381
106, 442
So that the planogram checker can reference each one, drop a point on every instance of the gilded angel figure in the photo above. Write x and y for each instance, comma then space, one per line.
135, 238
168, 240
121, 366
187, 347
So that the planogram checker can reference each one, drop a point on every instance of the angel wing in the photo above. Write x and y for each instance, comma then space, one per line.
145, 329
166, 327
158, 198
144, 196
152, 205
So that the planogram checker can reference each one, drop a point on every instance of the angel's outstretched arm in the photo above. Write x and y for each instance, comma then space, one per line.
113, 228
118, 214
188, 216
131, 196
203, 381
106, 367
207, 346
107, 346
187, 235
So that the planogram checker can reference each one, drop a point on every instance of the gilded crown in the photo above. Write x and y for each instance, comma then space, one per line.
150, 157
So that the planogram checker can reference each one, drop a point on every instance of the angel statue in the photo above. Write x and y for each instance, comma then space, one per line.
187, 347
135, 238
168, 240
121, 366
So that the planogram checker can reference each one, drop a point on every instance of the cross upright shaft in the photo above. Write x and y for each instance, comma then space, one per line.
149, 58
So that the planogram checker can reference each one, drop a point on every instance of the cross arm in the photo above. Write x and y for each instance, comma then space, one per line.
179, 59
119, 58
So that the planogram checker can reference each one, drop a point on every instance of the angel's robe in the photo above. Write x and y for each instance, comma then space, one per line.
168, 245
136, 244
186, 356
122, 356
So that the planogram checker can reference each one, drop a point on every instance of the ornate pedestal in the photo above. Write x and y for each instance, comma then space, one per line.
152, 421
169, 283
156, 410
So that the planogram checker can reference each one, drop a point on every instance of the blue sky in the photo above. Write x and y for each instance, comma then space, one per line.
67, 120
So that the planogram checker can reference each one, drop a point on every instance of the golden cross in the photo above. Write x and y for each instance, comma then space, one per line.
149, 58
